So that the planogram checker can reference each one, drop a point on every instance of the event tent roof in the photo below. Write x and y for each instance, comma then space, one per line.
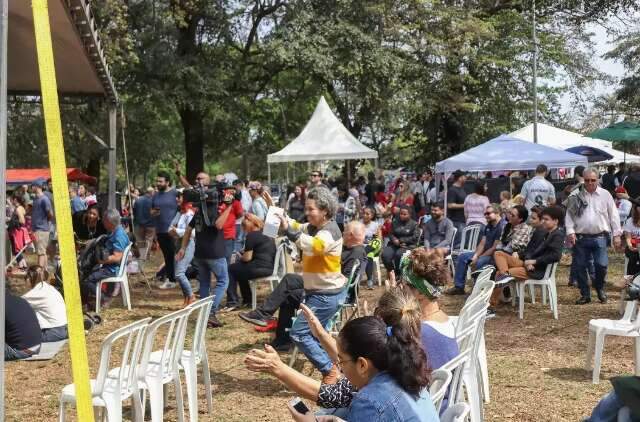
323, 138
508, 153
81, 68
24, 176
562, 139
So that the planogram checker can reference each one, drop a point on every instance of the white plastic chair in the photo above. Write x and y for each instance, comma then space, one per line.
456, 413
352, 283
113, 386
440, 380
468, 242
144, 247
197, 356
279, 270
377, 270
457, 366
600, 328
120, 277
160, 367
547, 283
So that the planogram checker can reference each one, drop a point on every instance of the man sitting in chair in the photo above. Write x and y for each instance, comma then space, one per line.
289, 293
439, 231
114, 246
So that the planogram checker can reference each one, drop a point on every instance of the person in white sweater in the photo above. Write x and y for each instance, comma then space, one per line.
48, 304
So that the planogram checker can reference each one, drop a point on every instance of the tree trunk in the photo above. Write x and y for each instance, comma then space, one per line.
192, 125
93, 169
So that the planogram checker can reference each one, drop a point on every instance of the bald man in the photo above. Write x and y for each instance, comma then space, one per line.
290, 291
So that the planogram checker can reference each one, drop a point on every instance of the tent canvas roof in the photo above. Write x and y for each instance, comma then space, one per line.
24, 176
323, 138
80, 65
562, 139
509, 153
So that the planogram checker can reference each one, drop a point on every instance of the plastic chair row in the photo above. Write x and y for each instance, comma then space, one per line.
142, 369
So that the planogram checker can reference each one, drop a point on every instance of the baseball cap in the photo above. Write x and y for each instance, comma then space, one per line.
458, 173
621, 189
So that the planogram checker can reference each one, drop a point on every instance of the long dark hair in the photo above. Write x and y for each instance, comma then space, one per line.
394, 349
635, 214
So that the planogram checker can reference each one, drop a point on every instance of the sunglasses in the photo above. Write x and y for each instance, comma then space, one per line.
315, 175
488, 213
591, 180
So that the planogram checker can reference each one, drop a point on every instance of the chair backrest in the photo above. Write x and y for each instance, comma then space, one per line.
440, 380
453, 238
456, 413
122, 269
133, 337
550, 272
173, 327
353, 282
456, 365
481, 282
279, 264
470, 238
203, 309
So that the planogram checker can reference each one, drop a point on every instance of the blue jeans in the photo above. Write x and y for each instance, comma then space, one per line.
463, 261
181, 269
14, 354
53, 334
218, 267
325, 307
240, 236
607, 410
586, 249
228, 250
573, 275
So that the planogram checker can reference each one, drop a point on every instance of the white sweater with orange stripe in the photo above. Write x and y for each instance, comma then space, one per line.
321, 253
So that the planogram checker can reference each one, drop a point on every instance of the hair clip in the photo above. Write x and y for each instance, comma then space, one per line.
389, 331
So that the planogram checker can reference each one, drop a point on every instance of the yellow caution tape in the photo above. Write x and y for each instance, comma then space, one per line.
49, 88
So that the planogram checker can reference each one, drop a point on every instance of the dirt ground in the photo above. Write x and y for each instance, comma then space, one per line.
536, 365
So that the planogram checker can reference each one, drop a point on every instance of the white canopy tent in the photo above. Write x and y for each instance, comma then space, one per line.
323, 138
507, 153
562, 139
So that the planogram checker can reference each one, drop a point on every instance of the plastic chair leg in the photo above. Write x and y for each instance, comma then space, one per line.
484, 372
206, 374
378, 271
138, 408
473, 395
114, 408
61, 412
591, 343
156, 399
553, 300
636, 355
597, 359
98, 294
126, 295
532, 293
521, 291
179, 402
294, 356
191, 380
254, 294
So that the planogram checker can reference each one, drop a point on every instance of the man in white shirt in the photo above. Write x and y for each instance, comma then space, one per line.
538, 191
592, 217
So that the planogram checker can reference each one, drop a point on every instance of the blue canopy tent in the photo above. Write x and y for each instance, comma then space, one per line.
507, 153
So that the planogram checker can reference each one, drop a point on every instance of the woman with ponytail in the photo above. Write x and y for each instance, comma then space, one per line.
397, 314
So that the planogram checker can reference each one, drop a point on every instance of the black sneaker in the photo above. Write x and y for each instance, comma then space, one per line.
455, 291
602, 296
281, 346
504, 278
491, 313
254, 317
214, 322
583, 300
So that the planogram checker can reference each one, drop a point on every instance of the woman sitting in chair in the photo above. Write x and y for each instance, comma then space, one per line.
88, 225
257, 261
403, 237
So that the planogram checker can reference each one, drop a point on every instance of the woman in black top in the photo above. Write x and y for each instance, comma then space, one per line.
403, 237
87, 224
295, 206
257, 258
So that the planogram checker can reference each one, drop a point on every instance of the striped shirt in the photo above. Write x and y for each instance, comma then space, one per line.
321, 253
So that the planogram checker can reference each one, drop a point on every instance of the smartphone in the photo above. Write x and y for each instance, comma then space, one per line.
299, 405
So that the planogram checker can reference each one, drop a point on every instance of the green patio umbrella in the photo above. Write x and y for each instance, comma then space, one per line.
626, 132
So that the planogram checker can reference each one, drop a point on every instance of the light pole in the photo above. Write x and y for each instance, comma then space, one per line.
4, 25
535, 76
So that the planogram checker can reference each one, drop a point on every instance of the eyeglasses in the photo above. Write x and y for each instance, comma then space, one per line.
340, 362
590, 180
488, 213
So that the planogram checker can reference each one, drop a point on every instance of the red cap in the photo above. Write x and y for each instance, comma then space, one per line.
621, 189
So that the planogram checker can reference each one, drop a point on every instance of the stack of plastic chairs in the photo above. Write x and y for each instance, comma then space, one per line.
468, 242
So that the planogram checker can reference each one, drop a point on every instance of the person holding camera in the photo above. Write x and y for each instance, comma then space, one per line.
210, 248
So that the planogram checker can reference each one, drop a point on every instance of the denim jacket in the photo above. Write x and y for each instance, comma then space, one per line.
383, 400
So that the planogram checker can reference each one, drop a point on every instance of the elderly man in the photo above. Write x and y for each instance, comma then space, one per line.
592, 218
115, 245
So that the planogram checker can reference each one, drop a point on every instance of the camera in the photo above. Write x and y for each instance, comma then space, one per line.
207, 199
633, 289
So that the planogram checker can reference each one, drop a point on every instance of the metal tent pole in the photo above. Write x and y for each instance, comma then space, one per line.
535, 77
4, 23
113, 117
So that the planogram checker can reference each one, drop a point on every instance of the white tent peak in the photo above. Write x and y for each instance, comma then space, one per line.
323, 138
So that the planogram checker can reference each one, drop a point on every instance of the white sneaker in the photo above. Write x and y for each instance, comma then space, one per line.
167, 285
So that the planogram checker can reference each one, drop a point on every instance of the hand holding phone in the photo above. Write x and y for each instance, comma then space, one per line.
299, 405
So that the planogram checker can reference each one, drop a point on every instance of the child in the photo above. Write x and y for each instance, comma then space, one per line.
48, 305
505, 202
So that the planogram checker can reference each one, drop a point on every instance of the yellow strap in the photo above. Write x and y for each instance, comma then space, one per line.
77, 345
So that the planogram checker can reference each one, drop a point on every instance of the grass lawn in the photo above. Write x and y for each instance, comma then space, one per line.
536, 365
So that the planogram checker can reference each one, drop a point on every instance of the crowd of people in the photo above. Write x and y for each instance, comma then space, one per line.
214, 228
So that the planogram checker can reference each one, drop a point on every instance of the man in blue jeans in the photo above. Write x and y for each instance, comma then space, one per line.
483, 254
210, 249
592, 217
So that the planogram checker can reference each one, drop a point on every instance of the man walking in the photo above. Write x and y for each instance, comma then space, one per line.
142, 220
591, 218
538, 190
163, 208
455, 204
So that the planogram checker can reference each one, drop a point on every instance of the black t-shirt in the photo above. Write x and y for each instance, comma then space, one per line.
263, 247
209, 240
82, 230
456, 195
22, 329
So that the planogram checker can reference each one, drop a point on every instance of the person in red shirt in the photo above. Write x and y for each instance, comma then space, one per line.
229, 232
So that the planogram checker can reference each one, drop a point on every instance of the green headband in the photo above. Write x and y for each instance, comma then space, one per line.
411, 278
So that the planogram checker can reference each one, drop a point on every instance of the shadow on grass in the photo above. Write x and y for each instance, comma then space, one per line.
570, 374
256, 385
